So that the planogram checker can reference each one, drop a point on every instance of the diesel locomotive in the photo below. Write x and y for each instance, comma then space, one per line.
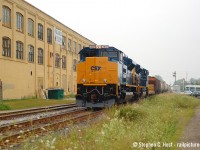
106, 76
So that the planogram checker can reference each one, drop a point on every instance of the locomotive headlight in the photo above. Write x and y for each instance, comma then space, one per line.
105, 80
83, 80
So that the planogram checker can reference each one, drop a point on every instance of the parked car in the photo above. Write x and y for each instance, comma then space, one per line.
187, 92
196, 93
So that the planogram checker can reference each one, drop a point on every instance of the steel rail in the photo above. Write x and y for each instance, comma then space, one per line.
57, 125
27, 123
14, 114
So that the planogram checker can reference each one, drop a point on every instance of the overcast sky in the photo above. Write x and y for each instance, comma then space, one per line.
163, 36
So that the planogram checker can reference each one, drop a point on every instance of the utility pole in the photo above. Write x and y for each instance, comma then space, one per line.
174, 75
183, 84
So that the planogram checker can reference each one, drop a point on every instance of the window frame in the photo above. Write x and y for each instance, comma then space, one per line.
40, 56
40, 31
57, 60
49, 35
74, 65
19, 50
69, 44
6, 46
63, 42
30, 27
6, 16
64, 62
19, 22
79, 48
74, 46
31, 54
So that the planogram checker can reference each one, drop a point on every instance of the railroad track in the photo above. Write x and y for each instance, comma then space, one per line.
14, 134
14, 114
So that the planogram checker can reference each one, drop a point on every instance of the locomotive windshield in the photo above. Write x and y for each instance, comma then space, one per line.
90, 53
113, 55
103, 51
106, 53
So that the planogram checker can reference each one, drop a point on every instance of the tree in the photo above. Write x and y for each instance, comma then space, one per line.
198, 81
194, 81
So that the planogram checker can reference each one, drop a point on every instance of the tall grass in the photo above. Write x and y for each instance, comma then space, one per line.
158, 119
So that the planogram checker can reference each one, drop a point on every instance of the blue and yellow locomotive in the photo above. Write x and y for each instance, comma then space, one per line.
105, 76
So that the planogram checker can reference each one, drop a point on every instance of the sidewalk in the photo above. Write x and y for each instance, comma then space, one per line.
191, 135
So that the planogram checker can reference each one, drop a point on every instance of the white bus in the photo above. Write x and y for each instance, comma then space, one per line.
189, 89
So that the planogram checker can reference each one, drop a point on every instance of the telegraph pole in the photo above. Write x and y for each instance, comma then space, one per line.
174, 75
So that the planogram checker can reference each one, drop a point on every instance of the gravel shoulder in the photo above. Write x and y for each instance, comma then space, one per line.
191, 135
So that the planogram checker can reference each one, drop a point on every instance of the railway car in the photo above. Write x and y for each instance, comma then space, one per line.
154, 85
164, 87
106, 76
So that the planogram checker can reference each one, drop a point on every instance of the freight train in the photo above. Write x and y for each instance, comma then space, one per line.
156, 86
106, 76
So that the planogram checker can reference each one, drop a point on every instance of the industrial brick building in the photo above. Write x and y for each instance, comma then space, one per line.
30, 57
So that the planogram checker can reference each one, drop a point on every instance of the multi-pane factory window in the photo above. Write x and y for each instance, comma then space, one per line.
63, 42
64, 62
74, 46
74, 65
19, 50
49, 36
69, 44
40, 31
57, 60
6, 20
30, 27
19, 22
40, 56
30, 53
6, 51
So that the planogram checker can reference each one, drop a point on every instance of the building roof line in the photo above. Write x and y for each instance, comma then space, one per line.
57, 20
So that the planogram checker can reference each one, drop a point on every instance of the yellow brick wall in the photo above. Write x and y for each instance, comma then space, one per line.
21, 78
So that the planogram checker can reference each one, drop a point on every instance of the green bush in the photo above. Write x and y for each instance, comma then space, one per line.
131, 113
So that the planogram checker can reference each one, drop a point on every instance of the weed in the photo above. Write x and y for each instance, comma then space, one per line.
4, 107
131, 113
186, 102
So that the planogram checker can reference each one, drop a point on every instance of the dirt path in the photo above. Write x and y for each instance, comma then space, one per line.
191, 136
